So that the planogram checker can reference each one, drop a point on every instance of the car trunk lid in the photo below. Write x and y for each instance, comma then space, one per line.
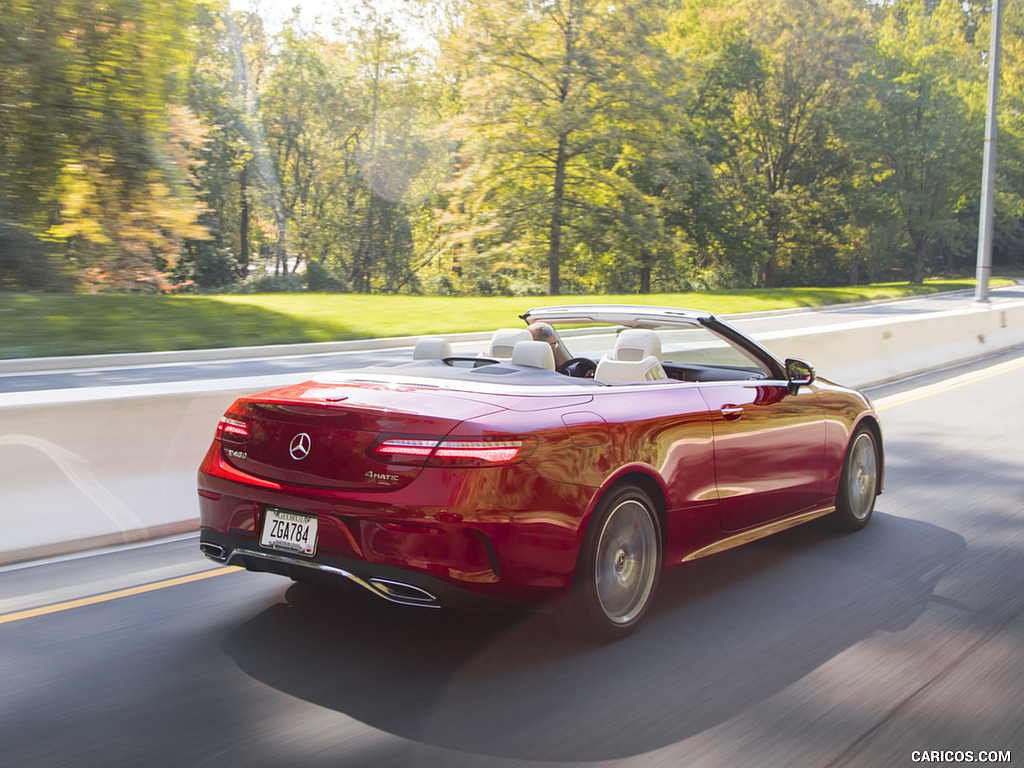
318, 435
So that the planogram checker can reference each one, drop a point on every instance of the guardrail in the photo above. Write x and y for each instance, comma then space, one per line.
83, 468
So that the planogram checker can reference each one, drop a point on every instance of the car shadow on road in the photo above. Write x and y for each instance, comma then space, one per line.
725, 634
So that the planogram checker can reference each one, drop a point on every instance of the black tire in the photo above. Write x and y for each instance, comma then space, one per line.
858, 483
618, 567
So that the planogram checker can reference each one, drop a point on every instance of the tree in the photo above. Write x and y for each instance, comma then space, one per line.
927, 127
557, 92
224, 84
96, 144
392, 152
343, 121
775, 81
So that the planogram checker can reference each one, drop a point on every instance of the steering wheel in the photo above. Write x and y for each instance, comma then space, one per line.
578, 367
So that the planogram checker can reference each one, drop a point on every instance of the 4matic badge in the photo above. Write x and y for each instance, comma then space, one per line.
381, 478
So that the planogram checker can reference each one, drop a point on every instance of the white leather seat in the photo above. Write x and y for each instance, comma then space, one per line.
535, 354
636, 357
648, 369
504, 340
431, 348
635, 344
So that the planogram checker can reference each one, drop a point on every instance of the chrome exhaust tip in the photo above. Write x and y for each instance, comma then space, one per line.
392, 591
398, 592
213, 551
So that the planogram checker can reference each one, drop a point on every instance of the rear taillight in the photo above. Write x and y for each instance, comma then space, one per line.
453, 452
232, 429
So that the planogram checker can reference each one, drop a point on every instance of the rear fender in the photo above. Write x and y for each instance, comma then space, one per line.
641, 475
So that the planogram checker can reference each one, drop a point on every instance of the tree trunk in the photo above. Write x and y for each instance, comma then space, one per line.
772, 228
768, 272
645, 271
555, 238
920, 245
363, 258
243, 185
281, 248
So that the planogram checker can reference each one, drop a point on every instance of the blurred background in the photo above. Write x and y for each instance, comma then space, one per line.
501, 147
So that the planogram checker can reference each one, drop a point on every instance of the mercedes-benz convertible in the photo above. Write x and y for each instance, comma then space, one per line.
566, 465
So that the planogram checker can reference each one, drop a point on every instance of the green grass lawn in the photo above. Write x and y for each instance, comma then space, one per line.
41, 325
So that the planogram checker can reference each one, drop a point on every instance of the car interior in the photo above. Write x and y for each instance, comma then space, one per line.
638, 355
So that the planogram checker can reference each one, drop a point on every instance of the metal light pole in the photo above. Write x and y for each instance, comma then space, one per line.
988, 175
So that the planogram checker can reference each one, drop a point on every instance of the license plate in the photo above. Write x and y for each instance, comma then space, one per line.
290, 531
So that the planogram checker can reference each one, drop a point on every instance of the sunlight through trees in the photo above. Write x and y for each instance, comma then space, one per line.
508, 147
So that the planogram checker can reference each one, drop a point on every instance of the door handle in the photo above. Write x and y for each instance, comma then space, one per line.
732, 412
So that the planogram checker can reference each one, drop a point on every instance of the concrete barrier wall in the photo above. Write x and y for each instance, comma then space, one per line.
103, 471
83, 468
92, 467
861, 354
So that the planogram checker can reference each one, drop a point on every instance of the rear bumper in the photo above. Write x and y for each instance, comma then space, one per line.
459, 536
396, 585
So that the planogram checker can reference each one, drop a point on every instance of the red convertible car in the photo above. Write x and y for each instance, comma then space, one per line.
567, 465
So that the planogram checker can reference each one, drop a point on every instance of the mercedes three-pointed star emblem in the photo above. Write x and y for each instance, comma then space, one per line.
299, 446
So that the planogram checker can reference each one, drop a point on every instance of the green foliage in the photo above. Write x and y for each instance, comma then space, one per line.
207, 264
222, 86
776, 80
515, 148
926, 128
562, 104
95, 143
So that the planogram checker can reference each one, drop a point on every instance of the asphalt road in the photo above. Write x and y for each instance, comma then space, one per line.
806, 649
303, 364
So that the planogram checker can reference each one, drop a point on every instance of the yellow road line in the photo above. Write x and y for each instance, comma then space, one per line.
106, 597
960, 381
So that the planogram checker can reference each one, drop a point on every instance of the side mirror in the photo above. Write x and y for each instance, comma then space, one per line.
799, 374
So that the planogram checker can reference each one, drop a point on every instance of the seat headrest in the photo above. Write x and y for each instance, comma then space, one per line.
635, 344
647, 369
536, 354
504, 341
431, 348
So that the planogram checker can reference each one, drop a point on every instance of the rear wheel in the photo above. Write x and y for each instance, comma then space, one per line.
858, 484
618, 568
